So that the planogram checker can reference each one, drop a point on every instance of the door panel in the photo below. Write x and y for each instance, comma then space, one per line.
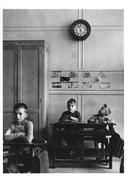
8, 118
25, 80
34, 117
9, 75
30, 78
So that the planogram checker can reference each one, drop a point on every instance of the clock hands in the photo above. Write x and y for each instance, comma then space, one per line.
80, 29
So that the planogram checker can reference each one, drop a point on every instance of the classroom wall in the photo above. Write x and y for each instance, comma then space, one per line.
102, 51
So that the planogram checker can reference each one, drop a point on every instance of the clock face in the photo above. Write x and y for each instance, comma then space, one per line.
80, 29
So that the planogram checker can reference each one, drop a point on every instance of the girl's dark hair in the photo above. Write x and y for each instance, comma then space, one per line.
20, 105
108, 110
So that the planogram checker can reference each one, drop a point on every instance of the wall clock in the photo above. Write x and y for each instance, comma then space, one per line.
80, 29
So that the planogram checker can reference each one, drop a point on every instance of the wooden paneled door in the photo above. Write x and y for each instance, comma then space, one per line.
25, 79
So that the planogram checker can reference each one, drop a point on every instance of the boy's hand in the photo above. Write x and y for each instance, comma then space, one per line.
75, 119
21, 134
112, 121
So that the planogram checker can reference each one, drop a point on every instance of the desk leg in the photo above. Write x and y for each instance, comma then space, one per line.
32, 153
82, 148
110, 154
54, 153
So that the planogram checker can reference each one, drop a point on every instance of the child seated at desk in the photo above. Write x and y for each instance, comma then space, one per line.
21, 130
71, 116
101, 117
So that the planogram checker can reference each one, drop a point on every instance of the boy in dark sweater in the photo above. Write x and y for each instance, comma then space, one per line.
71, 116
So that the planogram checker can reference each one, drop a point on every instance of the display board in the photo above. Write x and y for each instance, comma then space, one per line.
85, 80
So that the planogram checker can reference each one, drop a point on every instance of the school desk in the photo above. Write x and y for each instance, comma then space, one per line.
86, 132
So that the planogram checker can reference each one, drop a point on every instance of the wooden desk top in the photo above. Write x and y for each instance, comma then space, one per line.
82, 125
83, 132
32, 144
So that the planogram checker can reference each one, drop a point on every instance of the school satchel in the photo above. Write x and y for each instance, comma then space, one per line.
40, 163
12, 168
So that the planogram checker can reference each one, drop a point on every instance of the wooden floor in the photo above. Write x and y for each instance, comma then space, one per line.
73, 167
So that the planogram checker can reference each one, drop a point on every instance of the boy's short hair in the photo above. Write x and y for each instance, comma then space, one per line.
20, 105
70, 101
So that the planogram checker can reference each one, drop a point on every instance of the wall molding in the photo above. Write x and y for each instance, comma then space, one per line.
86, 92
58, 28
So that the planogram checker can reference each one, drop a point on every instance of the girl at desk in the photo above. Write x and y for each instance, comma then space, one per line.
71, 116
101, 117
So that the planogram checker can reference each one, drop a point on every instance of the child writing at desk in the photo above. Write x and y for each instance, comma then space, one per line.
71, 116
21, 130
101, 117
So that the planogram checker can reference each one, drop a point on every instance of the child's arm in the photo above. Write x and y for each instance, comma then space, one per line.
64, 117
13, 136
75, 120
28, 137
93, 119
106, 119
10, 135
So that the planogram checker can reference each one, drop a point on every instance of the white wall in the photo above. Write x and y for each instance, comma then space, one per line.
102, 51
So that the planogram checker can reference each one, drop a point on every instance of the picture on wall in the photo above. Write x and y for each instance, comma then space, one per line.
104, 85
